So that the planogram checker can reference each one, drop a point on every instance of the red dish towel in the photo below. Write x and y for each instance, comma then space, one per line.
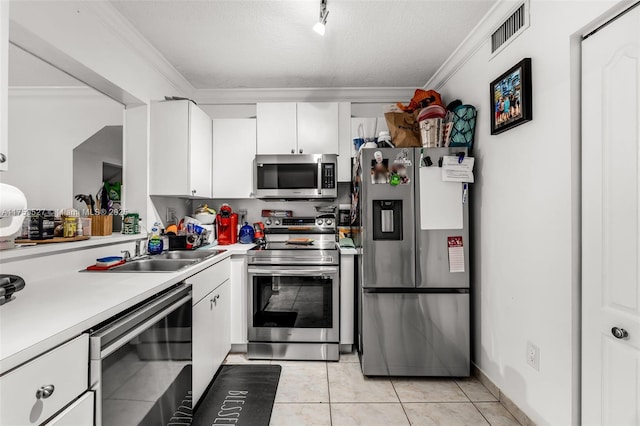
104, 268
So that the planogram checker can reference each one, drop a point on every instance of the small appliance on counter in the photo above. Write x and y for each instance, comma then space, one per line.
258, 233
227, 224
12, 204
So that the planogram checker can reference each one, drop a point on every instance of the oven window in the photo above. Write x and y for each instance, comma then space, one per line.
148, 380
287, 176
292, 302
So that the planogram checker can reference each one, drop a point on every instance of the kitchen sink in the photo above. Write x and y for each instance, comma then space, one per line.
196, 255
154, 265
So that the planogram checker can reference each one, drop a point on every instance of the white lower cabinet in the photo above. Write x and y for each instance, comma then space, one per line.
211, 337
80, 413
37, 390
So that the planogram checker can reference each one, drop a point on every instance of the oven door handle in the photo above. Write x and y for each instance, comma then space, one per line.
293, 272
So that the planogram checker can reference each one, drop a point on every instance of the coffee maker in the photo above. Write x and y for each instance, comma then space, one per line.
227, 223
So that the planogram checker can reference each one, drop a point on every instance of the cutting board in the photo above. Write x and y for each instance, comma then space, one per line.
54, 240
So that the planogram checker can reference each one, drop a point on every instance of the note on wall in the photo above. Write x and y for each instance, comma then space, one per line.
440, 202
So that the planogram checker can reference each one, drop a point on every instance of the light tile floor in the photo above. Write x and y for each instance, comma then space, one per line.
337, 394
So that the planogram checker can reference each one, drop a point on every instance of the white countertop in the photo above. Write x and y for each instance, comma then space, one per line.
48, 312
27, 251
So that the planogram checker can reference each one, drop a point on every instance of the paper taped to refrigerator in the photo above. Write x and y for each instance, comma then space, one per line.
440, 202
454, 170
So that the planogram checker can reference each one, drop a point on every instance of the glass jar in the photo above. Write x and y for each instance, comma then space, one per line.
69, 227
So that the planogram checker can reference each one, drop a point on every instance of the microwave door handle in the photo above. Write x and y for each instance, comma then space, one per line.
319, 176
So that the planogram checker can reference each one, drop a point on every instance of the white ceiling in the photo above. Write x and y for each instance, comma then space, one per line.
219, 44
26, 70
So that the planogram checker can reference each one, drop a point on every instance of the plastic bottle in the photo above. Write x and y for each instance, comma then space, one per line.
155, 242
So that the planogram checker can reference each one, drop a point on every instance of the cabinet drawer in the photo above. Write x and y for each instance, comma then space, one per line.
80, 413
65, 368
208, 279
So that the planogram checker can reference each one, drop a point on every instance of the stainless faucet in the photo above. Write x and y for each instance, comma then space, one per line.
137, 254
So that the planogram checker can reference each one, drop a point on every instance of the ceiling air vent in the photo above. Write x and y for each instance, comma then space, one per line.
513, 26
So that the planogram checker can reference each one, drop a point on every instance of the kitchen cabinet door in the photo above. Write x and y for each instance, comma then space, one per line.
211, 332
317, 128
221, 299
199, 152
234, 148
203, 346
78, 413
180, 150
4, 84
276, 128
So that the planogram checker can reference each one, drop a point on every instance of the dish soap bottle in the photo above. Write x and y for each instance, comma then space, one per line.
155, 242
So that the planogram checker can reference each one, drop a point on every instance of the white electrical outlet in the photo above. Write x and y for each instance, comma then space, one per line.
171, 215
533, 356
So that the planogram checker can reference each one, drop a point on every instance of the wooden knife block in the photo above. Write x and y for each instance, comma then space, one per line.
101, 225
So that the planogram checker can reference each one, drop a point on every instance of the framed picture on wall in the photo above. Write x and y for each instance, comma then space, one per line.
510, 97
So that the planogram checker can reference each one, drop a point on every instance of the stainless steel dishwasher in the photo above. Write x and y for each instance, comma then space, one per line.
141, 363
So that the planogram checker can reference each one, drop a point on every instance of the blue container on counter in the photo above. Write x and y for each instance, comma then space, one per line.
246, 234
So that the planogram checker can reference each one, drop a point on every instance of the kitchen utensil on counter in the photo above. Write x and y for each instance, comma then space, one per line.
247, 234
88, 200
227, 223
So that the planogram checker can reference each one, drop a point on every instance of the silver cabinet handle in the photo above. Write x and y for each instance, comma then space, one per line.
3, 158
300, 150
214, 300
45, 391
619, 333
293, 151
193, 192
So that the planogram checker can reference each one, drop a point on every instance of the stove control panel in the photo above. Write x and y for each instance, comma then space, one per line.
301, 224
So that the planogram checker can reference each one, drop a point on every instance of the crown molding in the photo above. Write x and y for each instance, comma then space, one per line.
55, 91
478, 36
318, 94
124, 29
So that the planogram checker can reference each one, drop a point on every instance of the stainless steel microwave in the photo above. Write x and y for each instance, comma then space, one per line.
295, 176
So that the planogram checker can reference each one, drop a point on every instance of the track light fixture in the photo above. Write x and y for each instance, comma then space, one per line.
319, 26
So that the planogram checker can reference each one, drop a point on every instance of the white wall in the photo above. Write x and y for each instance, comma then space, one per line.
526, 216
4, 78
44, 128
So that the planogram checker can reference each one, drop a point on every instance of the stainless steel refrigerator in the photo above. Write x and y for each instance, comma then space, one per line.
413, 294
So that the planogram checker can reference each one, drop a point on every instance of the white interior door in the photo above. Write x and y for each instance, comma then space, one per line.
610, 223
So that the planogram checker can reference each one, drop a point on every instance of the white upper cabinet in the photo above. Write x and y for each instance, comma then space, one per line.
317, 128
180, 150
297, 128
4, 84
234, 148
276, 128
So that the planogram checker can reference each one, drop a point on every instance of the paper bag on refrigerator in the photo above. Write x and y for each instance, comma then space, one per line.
404, 129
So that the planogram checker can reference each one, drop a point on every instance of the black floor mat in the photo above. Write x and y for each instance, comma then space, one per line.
241, 395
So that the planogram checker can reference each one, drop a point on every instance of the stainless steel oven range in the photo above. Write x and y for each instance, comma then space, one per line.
294, 291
